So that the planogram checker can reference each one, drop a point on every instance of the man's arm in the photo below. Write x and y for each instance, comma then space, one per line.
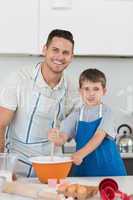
6, 116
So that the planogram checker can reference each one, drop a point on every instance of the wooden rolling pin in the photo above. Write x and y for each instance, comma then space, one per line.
32, 190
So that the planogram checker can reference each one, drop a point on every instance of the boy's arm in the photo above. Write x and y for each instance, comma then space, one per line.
93, 143
57, 137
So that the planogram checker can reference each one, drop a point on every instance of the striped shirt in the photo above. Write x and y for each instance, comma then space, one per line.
36, 105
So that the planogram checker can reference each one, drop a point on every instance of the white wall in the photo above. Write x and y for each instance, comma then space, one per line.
119, 72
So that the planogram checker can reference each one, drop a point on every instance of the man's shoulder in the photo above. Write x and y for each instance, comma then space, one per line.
69, 82
20, 75
26, 71
72, 88
72, 92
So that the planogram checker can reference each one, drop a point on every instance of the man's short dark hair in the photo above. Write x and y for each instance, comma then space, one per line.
60, 33
93, 75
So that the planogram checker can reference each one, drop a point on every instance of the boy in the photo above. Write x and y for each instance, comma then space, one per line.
93, 129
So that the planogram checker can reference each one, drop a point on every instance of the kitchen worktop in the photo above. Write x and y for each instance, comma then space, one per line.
123, 155
125, 184
127, 155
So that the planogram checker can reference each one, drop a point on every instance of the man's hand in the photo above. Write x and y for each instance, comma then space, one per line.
54, 136
57, 137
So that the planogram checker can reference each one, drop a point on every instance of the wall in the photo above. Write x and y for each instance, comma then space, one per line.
119, 72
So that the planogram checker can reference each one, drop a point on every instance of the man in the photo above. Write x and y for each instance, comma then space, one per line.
36, 99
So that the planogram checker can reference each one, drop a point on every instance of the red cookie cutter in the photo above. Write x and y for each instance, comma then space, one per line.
109, 190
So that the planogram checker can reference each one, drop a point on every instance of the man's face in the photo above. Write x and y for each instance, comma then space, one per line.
92, 93
58, 54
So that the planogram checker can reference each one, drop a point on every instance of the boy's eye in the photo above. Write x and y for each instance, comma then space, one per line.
88, 89
96, 89
66, 53
85, 89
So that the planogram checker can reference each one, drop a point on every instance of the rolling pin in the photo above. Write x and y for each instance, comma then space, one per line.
32, 190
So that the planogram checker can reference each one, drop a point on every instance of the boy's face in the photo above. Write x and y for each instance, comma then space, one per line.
92, 93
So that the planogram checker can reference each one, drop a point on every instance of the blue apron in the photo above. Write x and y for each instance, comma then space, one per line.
105, 160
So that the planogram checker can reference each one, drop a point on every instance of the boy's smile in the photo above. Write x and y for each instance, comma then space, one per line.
92, 93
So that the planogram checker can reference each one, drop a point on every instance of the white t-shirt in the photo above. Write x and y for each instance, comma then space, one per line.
69, 125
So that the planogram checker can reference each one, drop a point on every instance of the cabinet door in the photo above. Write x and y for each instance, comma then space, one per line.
100, 27
19, 26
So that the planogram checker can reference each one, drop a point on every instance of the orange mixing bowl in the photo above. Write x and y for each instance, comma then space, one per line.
45, 168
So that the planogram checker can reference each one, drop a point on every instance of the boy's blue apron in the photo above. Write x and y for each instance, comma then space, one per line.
105, 160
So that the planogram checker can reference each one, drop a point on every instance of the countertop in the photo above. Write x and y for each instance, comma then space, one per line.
127, 155
123, 155
125, 184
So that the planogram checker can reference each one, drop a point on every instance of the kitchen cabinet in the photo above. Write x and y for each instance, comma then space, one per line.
128, 161
19, 26
129, 165
99, 27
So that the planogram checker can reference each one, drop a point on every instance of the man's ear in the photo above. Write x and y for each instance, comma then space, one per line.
44, 50
72, 55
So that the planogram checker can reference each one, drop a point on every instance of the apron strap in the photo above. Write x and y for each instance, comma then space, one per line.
82, 111
59, 100
100, 110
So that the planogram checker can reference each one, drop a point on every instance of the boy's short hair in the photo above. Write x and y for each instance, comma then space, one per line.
60, 33
93, 75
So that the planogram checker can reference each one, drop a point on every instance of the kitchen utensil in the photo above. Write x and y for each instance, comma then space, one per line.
32, 190
124, 128
125, 144
7, 164
125, 138
52, 144
109, 190
2, 182
52, 151
45, 168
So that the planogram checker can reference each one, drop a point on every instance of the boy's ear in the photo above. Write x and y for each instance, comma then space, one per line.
79, 90
104, 91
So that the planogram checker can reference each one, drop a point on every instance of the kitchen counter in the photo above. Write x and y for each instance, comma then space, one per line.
127, 155
125, 185
123, 155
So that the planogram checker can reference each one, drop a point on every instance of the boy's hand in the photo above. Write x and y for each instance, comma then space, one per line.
77, 157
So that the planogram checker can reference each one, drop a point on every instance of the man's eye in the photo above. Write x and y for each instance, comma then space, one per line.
55, 50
